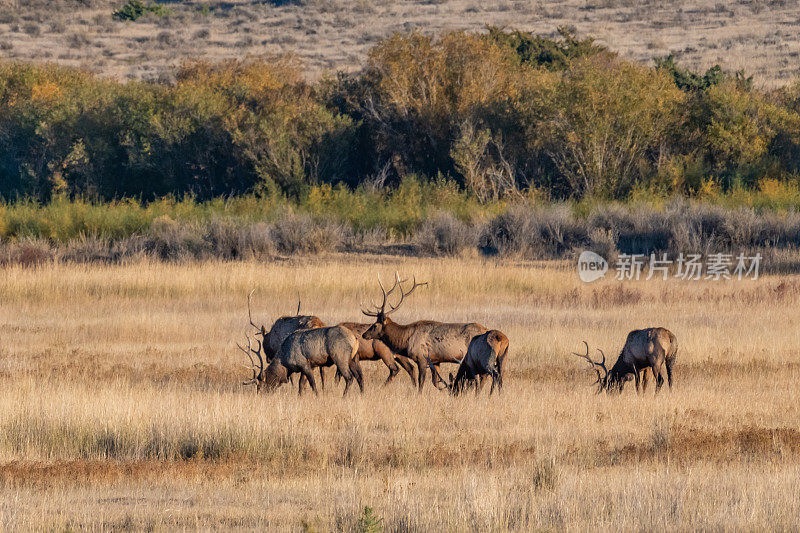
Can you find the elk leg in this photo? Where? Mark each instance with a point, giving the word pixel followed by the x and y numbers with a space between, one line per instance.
pixel 310 377
pixel 421 372
pixel 644 380
pixel 355 370
pixel 658 371
pixel 386 355
pixel 405 363
pixel 435 374
pixel 668 364
pixel 660 378
pixel 346 374
pixel 636 377
pixel 479 384
pixel 499 365
pixel 495 381
pixel 322 377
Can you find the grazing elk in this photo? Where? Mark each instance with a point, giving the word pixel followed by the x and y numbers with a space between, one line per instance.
pixel 653 348
pixel 424 341
pixel 483 356
pixel 304 350
pixel 282 328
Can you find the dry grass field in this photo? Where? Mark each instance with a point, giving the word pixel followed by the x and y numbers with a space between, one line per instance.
pixel 760 36
pixel 120 406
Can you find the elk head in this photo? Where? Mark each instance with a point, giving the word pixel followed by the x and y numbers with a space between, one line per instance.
pixel 380 313
pixel 267 379
pixel 602 380
pixel 619 374
pixel 274 376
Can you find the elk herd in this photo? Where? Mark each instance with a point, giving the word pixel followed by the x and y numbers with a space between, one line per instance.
pixel 301 344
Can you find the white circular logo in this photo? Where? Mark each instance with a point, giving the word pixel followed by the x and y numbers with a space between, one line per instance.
pixel 591 266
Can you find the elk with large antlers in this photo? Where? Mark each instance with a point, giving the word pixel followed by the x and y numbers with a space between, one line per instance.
pixel 483 356
pixel 653 348
pixel 304 350
pixel 424 341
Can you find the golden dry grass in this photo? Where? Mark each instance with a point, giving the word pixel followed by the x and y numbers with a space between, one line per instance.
pixel 119 404
pixel 760 36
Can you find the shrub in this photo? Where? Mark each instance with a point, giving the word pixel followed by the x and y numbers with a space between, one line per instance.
pixel 135 9
pixel 294 234
pixel 26 252
pixel 369 522
pixel 544 52
pixel 537 233
pixel 605 122
pixel 443 234
pixel 89 249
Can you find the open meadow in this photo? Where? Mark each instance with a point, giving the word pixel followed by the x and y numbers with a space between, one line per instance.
pixel 121 408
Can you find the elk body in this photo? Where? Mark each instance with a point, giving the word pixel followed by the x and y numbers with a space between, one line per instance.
pixel 375 350
pixel 425 342
pixel 485 356
pixel 651 348
pixel 304 350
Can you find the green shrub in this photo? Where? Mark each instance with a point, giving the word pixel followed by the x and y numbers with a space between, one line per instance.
pixel 605 124
pixel 541 51
pixel 134 9
pixel 369 522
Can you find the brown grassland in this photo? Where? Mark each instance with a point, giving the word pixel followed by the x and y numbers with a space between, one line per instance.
pixel 760 36
pixel 120 405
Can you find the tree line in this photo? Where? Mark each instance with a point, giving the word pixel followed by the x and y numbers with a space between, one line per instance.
pixel 498 113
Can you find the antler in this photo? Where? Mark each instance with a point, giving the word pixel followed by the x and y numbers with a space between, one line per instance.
pixel 595 365
pixel 380 309
pixel 260 330
pixel 257 370
pixel 403 293
pixel 602 364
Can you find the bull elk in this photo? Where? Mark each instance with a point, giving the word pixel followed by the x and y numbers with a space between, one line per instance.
pixel 424 342
pixel 651 348
pixel 483 355
pixel 282 328
pixel 304 350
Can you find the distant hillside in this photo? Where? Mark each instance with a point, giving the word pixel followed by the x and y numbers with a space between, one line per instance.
pixel 762 37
